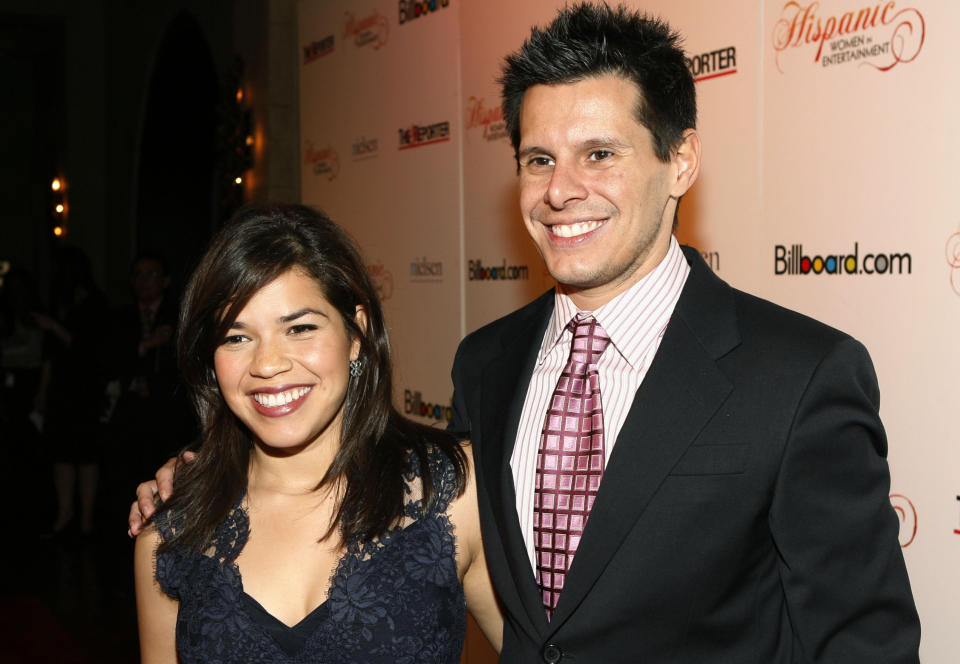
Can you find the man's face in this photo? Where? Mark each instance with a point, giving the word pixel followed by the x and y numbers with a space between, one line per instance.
pixel 596 201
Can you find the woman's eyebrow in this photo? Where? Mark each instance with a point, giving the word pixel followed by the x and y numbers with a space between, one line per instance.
pixel 299 313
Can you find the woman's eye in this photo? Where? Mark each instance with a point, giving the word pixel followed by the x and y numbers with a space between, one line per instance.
pixel 233 340
pixel 302 329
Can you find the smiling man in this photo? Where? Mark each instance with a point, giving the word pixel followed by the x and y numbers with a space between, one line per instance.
pixel 670 470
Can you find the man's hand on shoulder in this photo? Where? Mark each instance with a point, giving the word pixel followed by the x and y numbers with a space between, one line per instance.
pixel 149 492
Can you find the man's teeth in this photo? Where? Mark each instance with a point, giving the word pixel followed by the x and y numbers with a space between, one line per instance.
pixel 281 399
pixel 573 230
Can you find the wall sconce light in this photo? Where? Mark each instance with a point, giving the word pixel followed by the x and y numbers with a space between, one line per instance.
pixel 59 206
pixel 235 141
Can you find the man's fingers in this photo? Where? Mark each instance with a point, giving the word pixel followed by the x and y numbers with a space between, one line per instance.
pixel 134 520
pixel 142 508
pixel 146 502
pixel 145 505
pixel 164 482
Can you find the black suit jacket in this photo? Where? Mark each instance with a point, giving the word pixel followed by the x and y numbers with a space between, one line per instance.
pixel 743 515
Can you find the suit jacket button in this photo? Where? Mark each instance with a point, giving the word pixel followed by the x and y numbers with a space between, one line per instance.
pixel 552 653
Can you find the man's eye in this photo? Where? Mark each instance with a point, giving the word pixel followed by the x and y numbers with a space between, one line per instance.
pixel 600 155
pixel 540 162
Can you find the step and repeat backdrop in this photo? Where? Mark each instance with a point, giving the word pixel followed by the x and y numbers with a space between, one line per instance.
pixel 829 185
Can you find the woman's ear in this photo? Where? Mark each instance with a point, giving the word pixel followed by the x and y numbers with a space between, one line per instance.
pixel 360 318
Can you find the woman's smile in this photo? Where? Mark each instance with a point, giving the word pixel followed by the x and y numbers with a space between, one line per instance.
pixel 279 403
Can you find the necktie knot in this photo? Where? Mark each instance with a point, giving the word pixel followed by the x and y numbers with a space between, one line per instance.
pixel 589 339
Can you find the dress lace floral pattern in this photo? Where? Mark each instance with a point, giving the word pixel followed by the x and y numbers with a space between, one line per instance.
pixel 394 600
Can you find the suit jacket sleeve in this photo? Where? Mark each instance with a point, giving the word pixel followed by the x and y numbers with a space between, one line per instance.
pixel 841 567
pixel 459 424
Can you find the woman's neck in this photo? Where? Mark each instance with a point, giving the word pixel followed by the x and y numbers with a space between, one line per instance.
pixel 290 472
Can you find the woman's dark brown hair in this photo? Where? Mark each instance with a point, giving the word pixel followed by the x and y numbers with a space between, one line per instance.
pixel 258 245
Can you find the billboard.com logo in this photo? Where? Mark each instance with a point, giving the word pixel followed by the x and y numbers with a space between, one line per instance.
pixel 792 260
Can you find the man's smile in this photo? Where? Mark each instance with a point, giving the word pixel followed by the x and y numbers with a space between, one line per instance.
pixel 575 230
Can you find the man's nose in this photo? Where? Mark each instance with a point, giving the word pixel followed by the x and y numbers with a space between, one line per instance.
pixel 566 186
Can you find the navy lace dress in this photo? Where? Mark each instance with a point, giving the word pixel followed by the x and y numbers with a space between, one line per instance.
pixel 396 600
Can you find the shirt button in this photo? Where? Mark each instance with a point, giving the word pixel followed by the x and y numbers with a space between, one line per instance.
pixel 552 653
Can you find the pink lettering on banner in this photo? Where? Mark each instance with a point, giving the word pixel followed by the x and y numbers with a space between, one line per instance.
pixel 370 30
pixel 325 161
pixel 491 119
pixel 382 280
pixel 953 260
pixel 879 35
pixel 907 514
pixel 480 116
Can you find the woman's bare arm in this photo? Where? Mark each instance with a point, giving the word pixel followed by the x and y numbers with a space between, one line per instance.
pixel 156 612
pixel 477 586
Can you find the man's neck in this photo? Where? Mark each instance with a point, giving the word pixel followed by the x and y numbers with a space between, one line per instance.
pixel 591 299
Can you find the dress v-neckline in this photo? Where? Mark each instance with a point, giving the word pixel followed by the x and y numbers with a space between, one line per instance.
pixel 292 639
pixel 253 603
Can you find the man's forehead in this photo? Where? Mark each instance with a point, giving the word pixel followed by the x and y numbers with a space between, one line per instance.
pixel 580 107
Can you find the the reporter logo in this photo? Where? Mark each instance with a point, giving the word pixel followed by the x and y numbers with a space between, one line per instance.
pixel 713 64
pixel 317 49
pixel 416 136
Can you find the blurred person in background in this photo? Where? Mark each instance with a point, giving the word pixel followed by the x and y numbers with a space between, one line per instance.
pixel 21 361
pixel 21 353
pixel 149 414
pixel 72 382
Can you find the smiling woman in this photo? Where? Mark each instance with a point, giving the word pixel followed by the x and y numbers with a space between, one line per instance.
pixel 283 368
pixel 315 522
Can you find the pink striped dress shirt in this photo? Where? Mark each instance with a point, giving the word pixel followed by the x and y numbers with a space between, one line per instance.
pixel 635 321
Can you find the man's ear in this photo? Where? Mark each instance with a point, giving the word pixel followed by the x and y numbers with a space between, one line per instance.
pixel 360 318
pixel 686 161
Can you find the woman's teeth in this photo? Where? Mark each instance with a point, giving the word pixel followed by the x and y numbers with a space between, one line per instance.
pixel 271 400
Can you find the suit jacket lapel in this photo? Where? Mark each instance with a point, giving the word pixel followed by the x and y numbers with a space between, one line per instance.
pixel 682 390
pixel 504 387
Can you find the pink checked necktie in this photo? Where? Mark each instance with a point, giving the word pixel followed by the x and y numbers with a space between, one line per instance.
pixel 570 460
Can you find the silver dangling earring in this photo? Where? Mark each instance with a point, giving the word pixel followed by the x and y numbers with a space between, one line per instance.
pixel 356 368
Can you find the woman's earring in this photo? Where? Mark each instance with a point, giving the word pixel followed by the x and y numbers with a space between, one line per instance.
pixel 356 368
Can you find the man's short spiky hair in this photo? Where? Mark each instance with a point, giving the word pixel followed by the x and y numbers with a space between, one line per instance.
pixel 587 40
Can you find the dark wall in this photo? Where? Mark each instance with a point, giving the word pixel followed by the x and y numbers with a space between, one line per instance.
pixel 107 52
pixel 176 197
pixel 32 131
